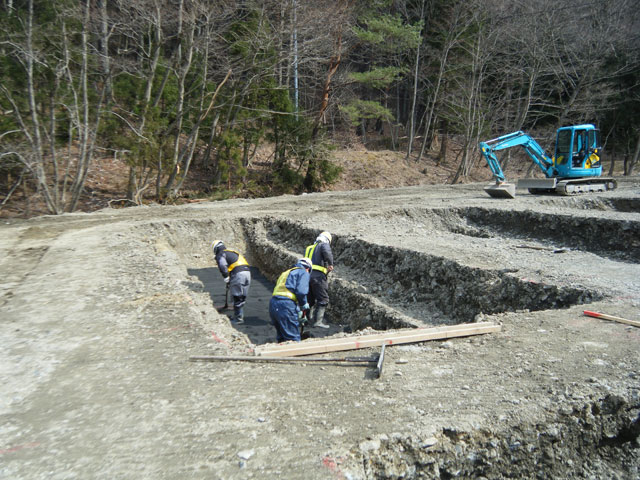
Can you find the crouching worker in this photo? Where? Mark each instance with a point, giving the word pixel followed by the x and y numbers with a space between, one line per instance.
pixel 288 303
pixel 237 275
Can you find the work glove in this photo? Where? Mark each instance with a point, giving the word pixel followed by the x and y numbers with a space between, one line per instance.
pixel 305 307
pixel 226 279
pixel 302 319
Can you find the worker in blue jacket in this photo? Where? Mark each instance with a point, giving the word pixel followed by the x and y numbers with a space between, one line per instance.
pixel 288 305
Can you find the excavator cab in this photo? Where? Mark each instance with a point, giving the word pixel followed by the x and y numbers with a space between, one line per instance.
pixel 577 149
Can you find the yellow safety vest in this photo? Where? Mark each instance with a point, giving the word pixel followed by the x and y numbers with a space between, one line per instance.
pixel 309 253
pixel 280 290
pixel 592 160
pixel 240 261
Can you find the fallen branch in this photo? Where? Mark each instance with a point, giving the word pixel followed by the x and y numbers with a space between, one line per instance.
pixel 535 247
pixel 123 202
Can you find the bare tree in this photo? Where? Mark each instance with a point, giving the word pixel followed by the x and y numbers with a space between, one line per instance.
pixel 416 72
pixel 453 27
pixel 59 97
pixel 464 105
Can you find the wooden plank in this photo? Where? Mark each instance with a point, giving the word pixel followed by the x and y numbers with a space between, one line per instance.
pixel 410 335
pixel 387 335
pixel 612 318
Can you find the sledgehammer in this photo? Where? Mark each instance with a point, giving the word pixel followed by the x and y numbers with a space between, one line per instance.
pixel 376 359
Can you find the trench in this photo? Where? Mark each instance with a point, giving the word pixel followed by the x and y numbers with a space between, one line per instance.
pixel 622 204
pixel 385 287
pixel 614 239
pixel 596 439
pixel 257 325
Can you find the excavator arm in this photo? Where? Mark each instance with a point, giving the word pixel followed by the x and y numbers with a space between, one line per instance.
pixel 533 149
pixel 530 146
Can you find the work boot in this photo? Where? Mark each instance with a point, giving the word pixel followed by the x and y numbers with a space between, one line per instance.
pixel 319 317
pixel 238 315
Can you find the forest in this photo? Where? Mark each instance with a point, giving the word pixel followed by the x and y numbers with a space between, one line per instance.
pixel 173 85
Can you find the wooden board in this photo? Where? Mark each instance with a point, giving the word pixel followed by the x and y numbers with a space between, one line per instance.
pixel 409 335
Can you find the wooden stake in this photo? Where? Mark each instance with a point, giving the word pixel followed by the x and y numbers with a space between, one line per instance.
pixel 604 316
pixel 410 335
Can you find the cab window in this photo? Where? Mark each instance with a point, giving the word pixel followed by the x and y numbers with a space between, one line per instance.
pixel 579 143
pixel 563 145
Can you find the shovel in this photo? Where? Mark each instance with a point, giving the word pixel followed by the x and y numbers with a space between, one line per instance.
pixel 304 335
pixel 226 300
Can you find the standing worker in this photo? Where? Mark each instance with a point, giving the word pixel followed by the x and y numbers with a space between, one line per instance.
pixel 322 258
pixel 237 275
pixel 288 304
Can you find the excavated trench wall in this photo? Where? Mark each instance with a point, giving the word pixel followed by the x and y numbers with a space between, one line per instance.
pixel 585 440
pixel 581 202
pixel 621 241
pixel 386 287
pixel 401 279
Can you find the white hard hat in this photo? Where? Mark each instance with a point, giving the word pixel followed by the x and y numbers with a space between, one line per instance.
pixel 325 235
pixel 306 263
pixel 216 245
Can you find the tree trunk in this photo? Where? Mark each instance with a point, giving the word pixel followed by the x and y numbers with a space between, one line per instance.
pixel 412 117
pixel 183 71
pixel 89 127
pixel 612 164
pixel 434 100
pixel 636 156
pixel 324 103
pixel 442 155
pixel 35 137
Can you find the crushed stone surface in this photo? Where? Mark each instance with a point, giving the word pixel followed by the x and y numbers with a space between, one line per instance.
pixel 99 315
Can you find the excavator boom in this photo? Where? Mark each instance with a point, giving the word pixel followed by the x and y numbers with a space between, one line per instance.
pixel 502 189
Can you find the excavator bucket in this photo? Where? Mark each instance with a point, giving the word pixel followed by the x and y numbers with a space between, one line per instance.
pixel 501 190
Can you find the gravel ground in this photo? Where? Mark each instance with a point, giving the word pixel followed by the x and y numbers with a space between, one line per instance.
pixel 100 313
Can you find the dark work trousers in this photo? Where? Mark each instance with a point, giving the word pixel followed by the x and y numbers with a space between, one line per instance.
pixel 284 315
pixel 318 289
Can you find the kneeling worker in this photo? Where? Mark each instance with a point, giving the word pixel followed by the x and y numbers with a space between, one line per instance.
pixel 322 258
pixel 288 303
pixel 237 275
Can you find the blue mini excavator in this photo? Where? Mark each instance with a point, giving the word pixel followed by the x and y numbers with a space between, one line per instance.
pixel 575 167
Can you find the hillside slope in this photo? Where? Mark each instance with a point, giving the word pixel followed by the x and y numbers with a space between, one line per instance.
pixel 361 169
